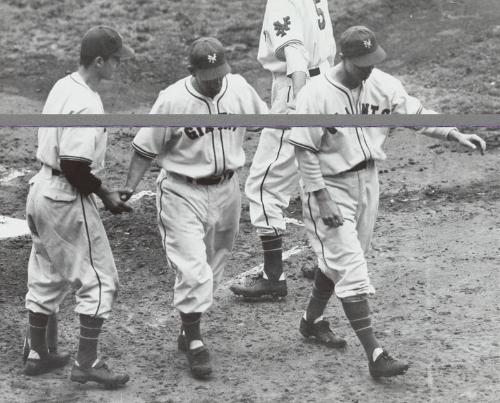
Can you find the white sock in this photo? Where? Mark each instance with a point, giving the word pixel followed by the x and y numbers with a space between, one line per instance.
pixel 195 344
pixel 282 276
pixel 376 353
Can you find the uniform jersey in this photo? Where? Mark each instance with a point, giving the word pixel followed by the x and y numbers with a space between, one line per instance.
pixel 200 151
pixel 71 95
pixel 304 24
pixel 343 148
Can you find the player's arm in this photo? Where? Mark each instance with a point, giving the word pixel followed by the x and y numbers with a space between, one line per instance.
pixel 310 171
pixel 404 103
pixel 296 62
pixel 139 164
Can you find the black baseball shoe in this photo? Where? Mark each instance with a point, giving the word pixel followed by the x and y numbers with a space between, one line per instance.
pixel 37 365
pixel 198 358
pixel 98 372
pixel 385 366
pixel 260 287
pixel 322 333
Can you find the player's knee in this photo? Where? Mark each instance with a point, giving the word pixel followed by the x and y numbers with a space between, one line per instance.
pixel 322 282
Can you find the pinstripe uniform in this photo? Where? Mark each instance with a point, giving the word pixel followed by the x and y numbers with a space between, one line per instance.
pixel 198 223
pixel 352 186
pixel 70 246
pixel 305 27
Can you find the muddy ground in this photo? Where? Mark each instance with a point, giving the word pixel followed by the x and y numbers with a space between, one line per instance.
pixel 434 260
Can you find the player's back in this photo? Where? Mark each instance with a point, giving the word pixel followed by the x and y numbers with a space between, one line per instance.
pixel 289 22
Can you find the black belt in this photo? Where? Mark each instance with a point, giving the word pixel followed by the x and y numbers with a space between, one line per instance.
pixel 55 172
pixel 206 181
pixel 314 72
pixel 362 165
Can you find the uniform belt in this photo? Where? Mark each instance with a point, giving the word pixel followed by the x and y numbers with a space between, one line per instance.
pixel 55 172
pixel 362 165
pixel 314 72
pixel 206 181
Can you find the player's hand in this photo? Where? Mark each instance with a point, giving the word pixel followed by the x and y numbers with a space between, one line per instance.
pixel 472 141
pixel 112 201
pixel 329 210
pixel 125 194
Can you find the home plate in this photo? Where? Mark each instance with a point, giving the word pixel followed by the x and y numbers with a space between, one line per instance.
pixel 12 227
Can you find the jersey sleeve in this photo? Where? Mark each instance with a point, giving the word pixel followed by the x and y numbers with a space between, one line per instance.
pixel 149 141
pixel 405 104
pixel 309 138
pixel 283 26
pixel 79 143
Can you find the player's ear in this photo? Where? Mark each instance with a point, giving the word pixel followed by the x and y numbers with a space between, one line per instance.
pixel 99 61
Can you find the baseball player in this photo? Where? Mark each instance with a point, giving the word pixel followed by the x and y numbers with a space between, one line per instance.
pixel 70 246
pixel 198 197
pixel 340 185
pixel 296 42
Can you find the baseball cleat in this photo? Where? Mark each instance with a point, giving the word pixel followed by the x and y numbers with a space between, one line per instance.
pixel 98 372
pixel 36 365
pixel 261 287
pixel 322 333
pixel 198 358
pixel 385 366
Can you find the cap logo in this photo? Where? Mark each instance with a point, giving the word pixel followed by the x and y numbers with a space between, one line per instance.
pixel 367 43
pixel 212 58
pixel 282 28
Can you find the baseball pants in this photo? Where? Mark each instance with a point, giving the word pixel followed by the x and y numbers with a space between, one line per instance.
pixel 273 175
pixel 70 249
pixel 198 225
pixel 341 251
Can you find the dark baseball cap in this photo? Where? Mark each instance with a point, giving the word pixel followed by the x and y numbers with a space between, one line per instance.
pixel 359 45
pixel 105 42
pixel 208 59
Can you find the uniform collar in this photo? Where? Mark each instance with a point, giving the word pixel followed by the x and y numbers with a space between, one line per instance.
pixel 221 93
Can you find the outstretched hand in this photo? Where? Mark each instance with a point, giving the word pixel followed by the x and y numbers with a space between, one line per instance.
pixel 471 141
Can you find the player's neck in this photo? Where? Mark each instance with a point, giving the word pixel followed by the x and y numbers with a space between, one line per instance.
pixel 340 75
pixel 90 76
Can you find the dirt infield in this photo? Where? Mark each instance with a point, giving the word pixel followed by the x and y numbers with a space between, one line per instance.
pixel 435 255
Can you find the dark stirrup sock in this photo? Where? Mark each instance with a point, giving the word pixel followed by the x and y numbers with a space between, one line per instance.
pixel 272 247
pixel 191 326
pixel 357 311
pixel 321 294
pixel 38 332
pixel 90 328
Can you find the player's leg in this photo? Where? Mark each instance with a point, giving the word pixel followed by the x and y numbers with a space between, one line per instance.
pixel 312 323
pixel 357 196
pixel 225 212
pixel 183 210
pixel 46 284
pixel 272 179
pixel 94 273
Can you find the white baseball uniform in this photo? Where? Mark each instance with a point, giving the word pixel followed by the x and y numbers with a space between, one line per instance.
pixel 333 162
pixel 70 246
pixel 296 35
pixel 198 223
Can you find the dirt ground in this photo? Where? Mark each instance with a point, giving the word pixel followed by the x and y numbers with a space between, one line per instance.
pixel 435 255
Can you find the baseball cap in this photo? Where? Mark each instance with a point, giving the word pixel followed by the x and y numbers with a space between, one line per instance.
pixel 208 59
pixel 104 41
pixel 359 45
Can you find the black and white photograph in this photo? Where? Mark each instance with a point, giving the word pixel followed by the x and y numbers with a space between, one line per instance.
pixel 250 247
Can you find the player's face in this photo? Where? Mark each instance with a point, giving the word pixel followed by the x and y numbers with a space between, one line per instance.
pixel 209 88
pixel 109 67
pixel 358 73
